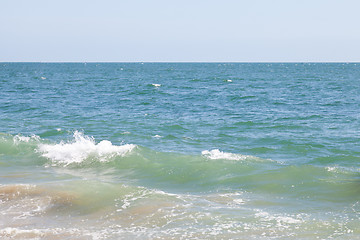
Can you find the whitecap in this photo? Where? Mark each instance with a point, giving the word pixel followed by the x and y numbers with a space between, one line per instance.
pixel 331 169
pixel 217 154
pixel 81 148
pixel 156 85
pixel 19 138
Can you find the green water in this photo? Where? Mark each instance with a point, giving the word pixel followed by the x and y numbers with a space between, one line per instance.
pixel 179 151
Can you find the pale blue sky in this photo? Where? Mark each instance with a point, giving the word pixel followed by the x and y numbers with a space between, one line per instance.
pixel 159 30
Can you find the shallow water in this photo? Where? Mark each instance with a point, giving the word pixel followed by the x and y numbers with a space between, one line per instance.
pixel 179 151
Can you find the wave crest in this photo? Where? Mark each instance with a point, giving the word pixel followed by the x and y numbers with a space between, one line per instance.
pixel 217 154
pixel 19 138
pixel 81 148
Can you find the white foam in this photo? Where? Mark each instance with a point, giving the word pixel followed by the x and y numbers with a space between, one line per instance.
pixel 81 148
pixel 45 233
pixel 217 154
pixel 331 169
pixel 18 139
pixel 265 216
pixel 13 232
pixel 156 85
pixel 131 198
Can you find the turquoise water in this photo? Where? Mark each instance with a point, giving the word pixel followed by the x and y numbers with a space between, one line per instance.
pixel 180 150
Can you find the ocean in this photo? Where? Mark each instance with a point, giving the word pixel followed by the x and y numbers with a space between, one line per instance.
pixel 180 151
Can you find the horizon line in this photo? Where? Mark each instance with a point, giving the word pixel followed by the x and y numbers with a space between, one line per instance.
pixel 179 62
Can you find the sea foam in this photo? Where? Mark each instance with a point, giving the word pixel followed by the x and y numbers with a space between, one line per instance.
pixel 81 148
pixel 217 154
pixel 19 138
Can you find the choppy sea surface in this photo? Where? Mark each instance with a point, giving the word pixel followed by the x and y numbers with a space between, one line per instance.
pixel 179 151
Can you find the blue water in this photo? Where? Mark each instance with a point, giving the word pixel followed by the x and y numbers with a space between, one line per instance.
pixel 180 150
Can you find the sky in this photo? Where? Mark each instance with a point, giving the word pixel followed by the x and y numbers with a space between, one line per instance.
pixel 179 31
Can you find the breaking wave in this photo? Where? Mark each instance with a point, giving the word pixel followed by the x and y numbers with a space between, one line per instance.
pixel 81 148
pixel 217 154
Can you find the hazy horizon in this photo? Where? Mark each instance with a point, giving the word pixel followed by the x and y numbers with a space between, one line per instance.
pixel 186 31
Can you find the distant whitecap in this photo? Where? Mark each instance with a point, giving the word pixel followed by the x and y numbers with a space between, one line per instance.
pixel 217 154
